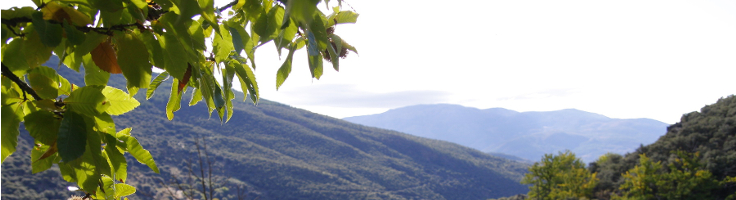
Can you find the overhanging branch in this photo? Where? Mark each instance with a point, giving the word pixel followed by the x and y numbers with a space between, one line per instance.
pixel 231 4
pixel 12 22
pixel 23 86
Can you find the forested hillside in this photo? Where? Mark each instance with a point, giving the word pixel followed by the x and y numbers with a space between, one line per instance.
pixel 273 151
pixel 711 133
pixel 695 159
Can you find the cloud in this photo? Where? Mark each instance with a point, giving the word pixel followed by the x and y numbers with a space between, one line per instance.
pixel 350 96
pixel 541 94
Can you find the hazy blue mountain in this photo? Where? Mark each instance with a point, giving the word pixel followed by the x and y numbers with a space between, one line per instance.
pixel 279 152
pixel 528 135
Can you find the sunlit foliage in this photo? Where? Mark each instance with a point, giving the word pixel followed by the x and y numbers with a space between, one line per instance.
pixel 192 41
pixel 559 176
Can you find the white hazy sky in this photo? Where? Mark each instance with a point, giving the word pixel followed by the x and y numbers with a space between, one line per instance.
pixel 652 59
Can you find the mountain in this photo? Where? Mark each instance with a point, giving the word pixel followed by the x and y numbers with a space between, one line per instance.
pixel 279 152
pixel 528 135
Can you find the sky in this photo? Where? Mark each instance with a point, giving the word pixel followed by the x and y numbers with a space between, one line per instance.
pixel 622 59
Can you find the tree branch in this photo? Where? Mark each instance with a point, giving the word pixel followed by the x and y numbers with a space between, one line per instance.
pixel 12 22
pixel 231 4
pixel 23 86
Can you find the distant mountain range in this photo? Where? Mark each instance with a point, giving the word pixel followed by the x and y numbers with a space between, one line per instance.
pixel 280 152
pixel 528 135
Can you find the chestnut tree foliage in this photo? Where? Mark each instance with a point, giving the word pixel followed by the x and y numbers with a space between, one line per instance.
pixel 192 41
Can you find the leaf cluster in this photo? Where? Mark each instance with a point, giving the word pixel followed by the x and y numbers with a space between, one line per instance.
pixel 560 176
pixel 72 124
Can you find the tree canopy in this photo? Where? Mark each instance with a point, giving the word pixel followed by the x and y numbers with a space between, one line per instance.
pixel 191 41
pixel 559 176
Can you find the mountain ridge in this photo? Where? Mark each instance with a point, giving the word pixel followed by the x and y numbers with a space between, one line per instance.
pixel 522 134
pixel 276 151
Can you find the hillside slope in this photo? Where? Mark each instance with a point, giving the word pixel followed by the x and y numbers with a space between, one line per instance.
pixel 279 152
pixel 711 133
pixel 528 135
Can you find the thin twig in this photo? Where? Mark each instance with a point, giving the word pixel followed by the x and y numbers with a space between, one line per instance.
pixel 201 169
pixel 209 166
pixel 231 4
pixel 23 86
pixel 167 187
pixel 12 22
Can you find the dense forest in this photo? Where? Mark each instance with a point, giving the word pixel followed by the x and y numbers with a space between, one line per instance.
pixel 695 159
pixel 274 151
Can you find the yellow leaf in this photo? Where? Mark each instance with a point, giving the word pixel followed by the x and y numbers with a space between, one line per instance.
pixel 59 13
pixel 105 58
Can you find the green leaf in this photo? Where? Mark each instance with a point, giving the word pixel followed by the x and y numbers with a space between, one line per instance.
pixel 116 160
pixel 222 45
pixel 104 123
pixel 13 57
pixel 227 86
pixel 75 58
pixel 86 171
pixel 155 83
pixel 337 41
pixel 10 92
pixel 122 189
pixel 44 81
pixel 73 35
pixel 174 100
pixel 93 153
pixel 268 25
pixel 320 32
pixel 247 81
pixel 43 126
pixel 140 4
pixel 312 46
pixel 207 84
pixel 175 56
pixel 110 17
pixel 133 61
pixel 188 8
pixel 315 66
pixel 219 101
pixel 93 40
pixel 154 49
pixel 120 102
pixel 238 43
pixel 196 32
pixel 61 51
pixel 285 36
pixel 72 136
pixel 65 88
pixel 93 75
pixel 105 189
pixel 38 164
pixel 343 17
pixel 302 11
pixel 35 51
pixel 87 100
pixel 16 12
pixel 334 57
pixel 11 118
pixel 208 12
pixel 196 97
pixel 67 173
pixel 349 47
pixel 136 150
pixel 285 68
pixel 107 5
pixel 50 33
